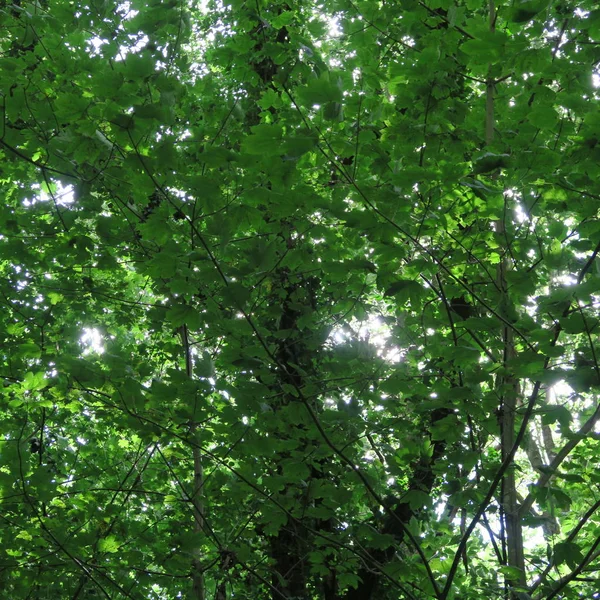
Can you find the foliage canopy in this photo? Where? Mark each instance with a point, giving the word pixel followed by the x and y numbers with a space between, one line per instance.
pixel 300 300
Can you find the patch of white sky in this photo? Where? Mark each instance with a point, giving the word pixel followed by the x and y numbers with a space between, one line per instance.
pixel 63 196
pixel 126 12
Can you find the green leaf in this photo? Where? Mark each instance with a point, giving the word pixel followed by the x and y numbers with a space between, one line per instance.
pixel 525 10
pixel 544 117
pixel 326 89
pixel 417 499
pixel 149 111
pixel 561 499
pixel 333 111
pixel 297 145
pixel 184 314
pixel 108 544
pixel 138 66
pixel 489 162
pixel 29 350
pixel 402 287
pixel 511 573
pixel 283 19
pixel 34 381
pixel 552 414
pixel 274 521
pixel 567 552
pixel 204 365
pixel 266 140
pixel 485 49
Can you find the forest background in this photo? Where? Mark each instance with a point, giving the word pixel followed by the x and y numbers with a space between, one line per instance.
pixel 299 300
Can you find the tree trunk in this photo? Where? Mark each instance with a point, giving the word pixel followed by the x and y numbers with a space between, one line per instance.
pixel 198 592
pixel 507 385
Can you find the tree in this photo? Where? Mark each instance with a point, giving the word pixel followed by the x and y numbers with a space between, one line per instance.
pixel 300 300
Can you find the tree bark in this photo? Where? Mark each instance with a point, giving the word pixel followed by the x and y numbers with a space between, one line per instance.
pixel 198 592
pixel 507 385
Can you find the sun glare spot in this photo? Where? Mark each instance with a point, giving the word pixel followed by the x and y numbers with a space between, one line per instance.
pixel 91 340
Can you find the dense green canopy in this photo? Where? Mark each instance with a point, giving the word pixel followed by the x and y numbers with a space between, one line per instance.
pixel 300 300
